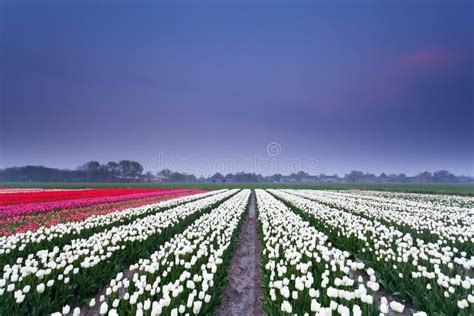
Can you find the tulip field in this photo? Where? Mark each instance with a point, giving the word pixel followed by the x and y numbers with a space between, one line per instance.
pixel 47 208
pixel 170 251
pixel 367 253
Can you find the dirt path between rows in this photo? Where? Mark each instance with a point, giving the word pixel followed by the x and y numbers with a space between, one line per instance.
pixel 243 294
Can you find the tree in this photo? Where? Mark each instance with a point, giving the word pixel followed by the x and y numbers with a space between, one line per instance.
pixel 177 176
pixel 299 175
pixel 383 177
pixel 90 166
pixel 92 170
pixel 165 173
pixel 354 176
pixel 217 177
pixel 276 178
pixel 113 168
pixel 130 168
pixel 425 177
pixel 302 174
pixel 443 176
pixel 402 178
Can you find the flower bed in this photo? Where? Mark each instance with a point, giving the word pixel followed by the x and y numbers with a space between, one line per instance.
pixel 41 207
pixel 59 235
pixel 429 274
pixel 185 275
pixel 304 273
pixel 33 221
pixel 49 279
pixel 16 198
pixel 451 225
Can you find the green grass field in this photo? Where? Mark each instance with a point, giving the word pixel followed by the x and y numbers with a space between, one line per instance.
pixel 460 189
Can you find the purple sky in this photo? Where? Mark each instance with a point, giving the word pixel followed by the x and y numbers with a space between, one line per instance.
pixel 374 86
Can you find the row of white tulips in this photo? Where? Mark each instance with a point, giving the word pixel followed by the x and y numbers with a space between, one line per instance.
pixel 440 204
pixel 306 274
pixel 21 240
pixel 433 199
pixel 179 278
pixel 45 274
pixel 453 227
pixel 432 275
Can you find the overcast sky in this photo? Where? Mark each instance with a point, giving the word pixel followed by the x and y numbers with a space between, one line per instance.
pixel 374 86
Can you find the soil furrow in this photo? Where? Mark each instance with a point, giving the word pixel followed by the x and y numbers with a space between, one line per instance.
pixel 243 294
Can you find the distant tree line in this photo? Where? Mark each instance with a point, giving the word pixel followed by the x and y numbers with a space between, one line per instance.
pixel 441 176
pixel 93 171
pixel 132 171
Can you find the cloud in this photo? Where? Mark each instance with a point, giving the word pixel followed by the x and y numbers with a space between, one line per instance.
pixel 402 80
pixel 430 59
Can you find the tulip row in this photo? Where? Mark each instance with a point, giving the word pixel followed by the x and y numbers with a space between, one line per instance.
pixel 22 209
pixel 33 221
pixel 304 273
pixel 15 198
pixel 452 226
pixel 434 277
pixel 440 204
pixel 185 275
pixel 18 245
pixel 48 279
pixel 436 200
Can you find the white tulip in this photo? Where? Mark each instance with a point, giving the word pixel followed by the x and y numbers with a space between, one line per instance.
pixel 315 306
pixel 197 307
pixel 40 288
pixel 286 307
pixel 66 309
pixel 396 306
pixel 103 308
